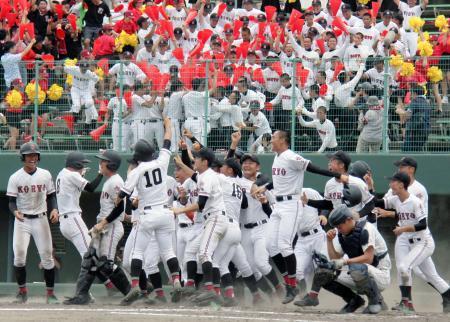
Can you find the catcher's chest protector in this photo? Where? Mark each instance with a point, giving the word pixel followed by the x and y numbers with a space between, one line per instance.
pixel 352 243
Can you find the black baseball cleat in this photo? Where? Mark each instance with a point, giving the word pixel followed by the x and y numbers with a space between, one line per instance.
pixel 229 302
pixel 291 293
pixel 21 298
pixel 354 304
pixel 78 300
pixel 176 292
pixel 307 300
pixel 131 297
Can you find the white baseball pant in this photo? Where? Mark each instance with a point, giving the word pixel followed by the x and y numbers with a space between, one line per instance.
pixel 39 228
pixel 107 244
pixel 254 244
pixel 122 137
pixel 304 250
pixel 227 247
pixel 417 254
pixel 283 225
pixel 73 228
pixel 80 98
pixel 216 226
pixel 411 40
pixel 149 130
pixel 183 236
pixel 240 261
pixel 131 240
pixel 193 246
pixel 176 134
pixel 381 276
pixel 197 128
pixel 158 221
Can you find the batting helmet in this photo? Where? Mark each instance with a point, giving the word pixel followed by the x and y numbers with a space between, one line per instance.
pixel 143 151
pixel 112 157
pixel 76 160
pixel 351 196
pixel 339 215
pixel 359 169
pixel 29 148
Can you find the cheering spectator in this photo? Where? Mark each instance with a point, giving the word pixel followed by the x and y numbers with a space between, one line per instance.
pixel 11 59
pixel 96 11
pixel 41 18
pixel 256 123
pixel 370 124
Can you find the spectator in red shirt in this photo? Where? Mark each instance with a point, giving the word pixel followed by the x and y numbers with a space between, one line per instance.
pixel 127 24
pixel 104 46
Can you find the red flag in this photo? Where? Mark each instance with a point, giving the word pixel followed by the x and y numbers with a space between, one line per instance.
pixel 204 35
pixel 60 34
pixel 321 44
pixel 407 99
pixel 222 79
pixel 103 108
pixel 258 76
pixel 162 82
pixel 221 9
pixel 375 9
pixel 179 55
pixel 334 6
pixel 338 68
pixel 24 4
pixel 276 66
pixel 338 23
pixel 384 33
pixel 98 132
pixel 200 71
pixel 168 27
pixel 298 25
pixel 73 21
pixel 104 65
pixel 59 11
pixel 163 13
pixel 26 27
pixel 237 28
pixel 261 28
pixel 69 119
pixel 268 106
pixel 119 8
pixel 128 97
pixel 295 15
pixel 6 8
pixel 323 90
pixel 186 75
pixel 192 14
pixel 149 70
pixel 302 75
pixel 270 12
pixel 197 50
pixel 243 49
pixel 152 12
pixel 11 17
pixel 49 59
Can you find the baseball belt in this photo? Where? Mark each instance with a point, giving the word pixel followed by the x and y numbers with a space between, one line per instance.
pixel 309 232
pixel 255 224
pixel 34 216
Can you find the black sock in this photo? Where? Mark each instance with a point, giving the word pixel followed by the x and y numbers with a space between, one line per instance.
pixel 173 266
pixel 216 276
pixel 280 263
pixel 273 278
pixel 340 290
pixel 143 281
pixel 136 268
pixel 405 292
pixel 156 280
pixel 233 270
pixel 264 286
pixel 198 279
pixel 226 280
pixel 207 272
pixel 446 294
pixel 21 275
pixel 191 270
pixel 49 277
pixel 291 265
pixel 250 282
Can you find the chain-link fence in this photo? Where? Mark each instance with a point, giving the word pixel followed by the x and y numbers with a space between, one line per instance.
pixel 372 105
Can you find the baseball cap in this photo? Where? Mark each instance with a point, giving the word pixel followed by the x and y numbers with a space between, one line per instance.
pixel 127 54
pixel 361 7
pixel 84 64
pixel 214 16
pixel 346 7
pixel 148 42
pixel 400 177
pixel 373 101
pixel 247 1
pixel 341 156
pixel 233 164
pixel 250 157
pixel 205 154
pixel 244 19
pixel 261 17
pixel 141 20
pixel 230 3
pixel 255 105
pixel 308 13
pixel 365 86
pixel 128 13
pixel 388 13
pixel 193 23
pixel 316 3
pixel 216 163
pixel 163 42
pixel 265 46
pixel 406 161
pixel 178 31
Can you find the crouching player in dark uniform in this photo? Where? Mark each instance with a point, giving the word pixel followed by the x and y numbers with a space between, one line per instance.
pixel 359 261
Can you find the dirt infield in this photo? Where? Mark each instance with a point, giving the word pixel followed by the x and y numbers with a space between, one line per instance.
pixel 427 303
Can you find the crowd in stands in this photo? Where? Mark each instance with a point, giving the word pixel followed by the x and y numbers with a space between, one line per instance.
pixel 323 69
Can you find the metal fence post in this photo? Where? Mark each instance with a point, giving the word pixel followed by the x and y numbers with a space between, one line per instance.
pixel 386 102
pixel 36 101
pixel 294 104
pixel 206 118
pixel 120 105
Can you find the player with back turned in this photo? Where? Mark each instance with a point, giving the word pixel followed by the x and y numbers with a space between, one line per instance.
pixel 288 170
pixel 31 195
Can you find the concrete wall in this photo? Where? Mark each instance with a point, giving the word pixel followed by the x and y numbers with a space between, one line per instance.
pixel 433 173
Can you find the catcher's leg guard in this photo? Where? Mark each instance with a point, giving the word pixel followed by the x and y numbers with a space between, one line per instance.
pixel 120 280
pixel 322 276
pixel 365 284
pixel 340 290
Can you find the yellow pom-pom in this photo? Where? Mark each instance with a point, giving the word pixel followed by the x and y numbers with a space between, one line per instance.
pixel 142 9
pixel 434 74
pixel 41 97
pixel 30 90
pixel 70 62
pixel 364 2
pixel 55 92
pixel 14 99
pixel 426 36
pixel 407 69
pixel 441 22
pixel 425 48
pixel 396 61
pixel 127 39
pixel 416 23
pixel 119 44
pixel 100 73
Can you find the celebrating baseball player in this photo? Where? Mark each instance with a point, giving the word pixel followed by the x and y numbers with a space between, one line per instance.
pixel 31 194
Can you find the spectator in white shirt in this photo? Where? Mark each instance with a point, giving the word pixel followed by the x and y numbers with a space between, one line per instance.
pixel 387 23
pixel 262 144
pixel 325 128
pixel 10 61
pixel 146 52
pixel 354 53
pixel 370 124
pixel 257 123
pixel 145 31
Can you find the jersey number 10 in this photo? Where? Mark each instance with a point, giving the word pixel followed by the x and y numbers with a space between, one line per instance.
pixel 156 176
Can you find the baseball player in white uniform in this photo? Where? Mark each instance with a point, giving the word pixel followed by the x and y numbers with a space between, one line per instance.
pixel 121 130
pixel 409 10
pixel 149 178
pixel 80 92
pixel 99 259
pixel 127 72
pixel 414 244
pixel 31 193
pixel 288 170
